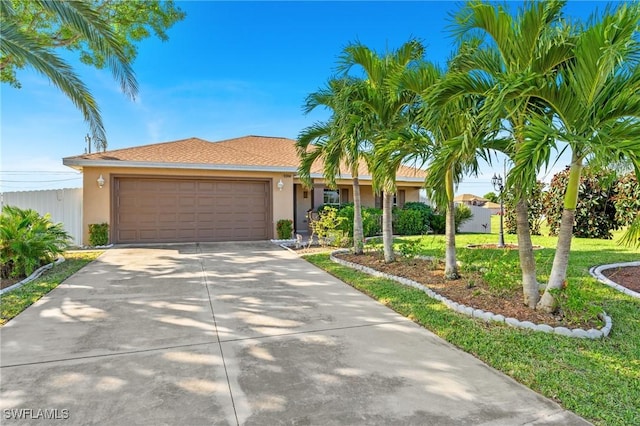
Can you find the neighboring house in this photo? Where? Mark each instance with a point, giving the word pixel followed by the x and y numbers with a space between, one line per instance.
pixel 493 207
pixel 470 200
pixel 196 190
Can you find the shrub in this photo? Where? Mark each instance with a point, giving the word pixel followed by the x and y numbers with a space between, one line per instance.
pixel 438 223
pixel 627 199
pixel 99 234
pixel 370 219
pixel 327 228
pixel 595 215
pixel 284 228
pixel 27 241
pixel 409 222
pixel 425 211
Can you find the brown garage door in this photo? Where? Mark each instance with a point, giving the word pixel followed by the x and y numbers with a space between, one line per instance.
pixel 149 210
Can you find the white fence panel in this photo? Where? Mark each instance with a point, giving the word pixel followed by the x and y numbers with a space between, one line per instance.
pixel 64 206
pixel 480 222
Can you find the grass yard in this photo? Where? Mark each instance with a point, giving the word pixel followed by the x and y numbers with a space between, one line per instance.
pixel 599 380
pixel 16 301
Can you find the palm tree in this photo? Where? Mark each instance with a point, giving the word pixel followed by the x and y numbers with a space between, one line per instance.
pixel 521 53
pixel 337 141
pixel 460 140
pixel 596 102
pixel 384 103
pixel 24 48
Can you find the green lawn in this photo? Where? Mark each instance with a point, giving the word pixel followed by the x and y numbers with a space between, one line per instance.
pixel 16 301
pixel 599 380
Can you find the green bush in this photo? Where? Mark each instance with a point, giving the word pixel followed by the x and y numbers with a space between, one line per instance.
pixel 409 222
pixel 438 223
pixel 595 215
pixel 627 199
pixel 370 219
pixel 99 234
pixel 327 228
pixel 28 241
pixel 284 228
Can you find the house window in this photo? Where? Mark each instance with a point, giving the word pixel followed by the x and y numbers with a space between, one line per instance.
pixel 331 197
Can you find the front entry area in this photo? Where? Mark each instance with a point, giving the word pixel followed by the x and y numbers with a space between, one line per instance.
pixel 152 210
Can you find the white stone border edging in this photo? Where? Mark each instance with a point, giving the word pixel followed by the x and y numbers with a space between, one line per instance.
pixel 33 276
pixel 596 272
pixel 479 313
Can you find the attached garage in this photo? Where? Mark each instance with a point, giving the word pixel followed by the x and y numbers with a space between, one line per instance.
pixel 154 209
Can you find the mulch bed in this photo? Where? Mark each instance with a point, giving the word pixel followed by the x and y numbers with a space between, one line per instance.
pixel 628 276
pixel 470 290
pixel 8 282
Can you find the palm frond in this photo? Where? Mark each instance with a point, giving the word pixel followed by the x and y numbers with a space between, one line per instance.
pixel 15 42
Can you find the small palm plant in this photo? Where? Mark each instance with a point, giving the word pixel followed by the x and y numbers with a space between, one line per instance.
pixel 27 241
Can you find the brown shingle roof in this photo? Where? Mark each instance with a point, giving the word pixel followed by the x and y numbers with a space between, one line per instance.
pixel 253 151
pixel 470 197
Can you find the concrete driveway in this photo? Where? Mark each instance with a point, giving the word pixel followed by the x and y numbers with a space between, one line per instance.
pixel 239 333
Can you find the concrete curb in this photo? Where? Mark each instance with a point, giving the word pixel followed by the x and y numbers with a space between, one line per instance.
pixel 596 272
pixel 33 276
pixel 481 314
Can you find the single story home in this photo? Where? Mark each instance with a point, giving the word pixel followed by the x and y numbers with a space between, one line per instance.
pixel 196 190
pixel 470 200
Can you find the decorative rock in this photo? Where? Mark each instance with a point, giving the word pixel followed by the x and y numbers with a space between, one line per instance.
pixel 578 332
pixel 606 330
pixel 563 331
pixel 546 328
pixel 477 312
pixel 467 310
pixel 497 318
pixel 528 325
pixel 486 316
pixel 512 322
pixel 594 334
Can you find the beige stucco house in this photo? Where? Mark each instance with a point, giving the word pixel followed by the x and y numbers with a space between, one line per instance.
pixel 196 190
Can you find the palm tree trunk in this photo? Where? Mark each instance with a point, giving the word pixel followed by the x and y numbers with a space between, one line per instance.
pixel 387 226
pixel 358 231
pixel 530 286
pixel 450 263
pixel 558 274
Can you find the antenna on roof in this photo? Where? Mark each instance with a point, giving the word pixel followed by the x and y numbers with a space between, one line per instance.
pixel 87 139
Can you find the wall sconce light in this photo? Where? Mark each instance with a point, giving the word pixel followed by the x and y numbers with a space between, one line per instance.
pixel 280 185
pixel 100 181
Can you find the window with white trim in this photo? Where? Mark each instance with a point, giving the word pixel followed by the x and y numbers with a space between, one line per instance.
pixel 331 197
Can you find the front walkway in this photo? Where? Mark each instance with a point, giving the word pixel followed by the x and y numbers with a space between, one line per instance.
pixel 237 333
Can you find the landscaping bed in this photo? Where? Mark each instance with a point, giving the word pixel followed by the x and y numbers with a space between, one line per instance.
pixel 628 276
pixel 470 290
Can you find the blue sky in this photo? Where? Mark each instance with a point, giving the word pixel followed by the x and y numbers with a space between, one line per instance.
pixel 229 69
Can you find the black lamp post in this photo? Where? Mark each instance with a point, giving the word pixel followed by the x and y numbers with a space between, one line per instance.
pixel 498 185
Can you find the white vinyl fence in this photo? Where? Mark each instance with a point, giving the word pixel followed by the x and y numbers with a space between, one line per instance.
pixel 64 206
pixel 480 222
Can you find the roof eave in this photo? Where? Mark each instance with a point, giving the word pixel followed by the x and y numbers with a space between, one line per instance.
pixel 368 177
pixel 81 163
